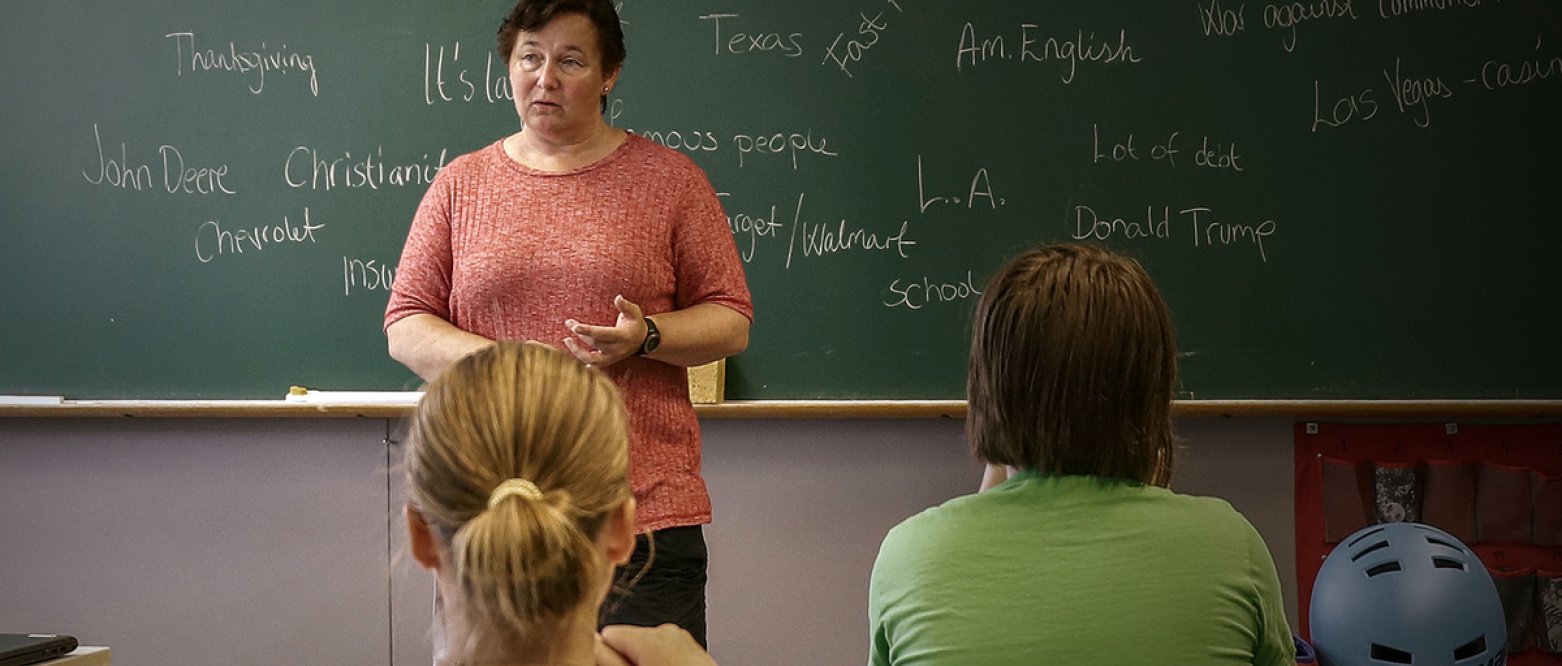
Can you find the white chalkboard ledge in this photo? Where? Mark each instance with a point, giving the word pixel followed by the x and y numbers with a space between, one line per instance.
pixel 1423 410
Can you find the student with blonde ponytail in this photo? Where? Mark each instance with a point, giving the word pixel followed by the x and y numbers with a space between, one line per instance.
pixel 518 471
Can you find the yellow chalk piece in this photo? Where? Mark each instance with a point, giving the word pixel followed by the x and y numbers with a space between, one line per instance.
pixel 708 383
pixel 297 390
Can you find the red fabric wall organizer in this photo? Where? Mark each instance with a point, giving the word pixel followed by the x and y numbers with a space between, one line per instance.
pixel 1496 487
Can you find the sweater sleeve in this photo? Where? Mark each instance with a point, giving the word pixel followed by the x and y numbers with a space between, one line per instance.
pixel 422 284
pixel 705 254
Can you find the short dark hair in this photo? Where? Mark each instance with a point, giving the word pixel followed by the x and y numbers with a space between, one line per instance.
pixel 1073 367
pixel 530 15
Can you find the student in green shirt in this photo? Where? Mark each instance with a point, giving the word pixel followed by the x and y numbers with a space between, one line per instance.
pixel 1077 553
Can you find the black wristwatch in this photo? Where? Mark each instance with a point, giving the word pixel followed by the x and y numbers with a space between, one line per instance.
pixel 653 338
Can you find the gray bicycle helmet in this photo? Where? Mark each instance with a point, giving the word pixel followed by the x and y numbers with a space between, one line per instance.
pixel 1406 593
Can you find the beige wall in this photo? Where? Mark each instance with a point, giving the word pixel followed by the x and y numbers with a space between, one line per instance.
pixel 264 541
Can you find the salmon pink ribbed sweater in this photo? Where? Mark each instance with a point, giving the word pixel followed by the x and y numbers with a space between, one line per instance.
pixel 508 253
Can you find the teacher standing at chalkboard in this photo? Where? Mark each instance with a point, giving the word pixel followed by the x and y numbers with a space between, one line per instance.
pixel 574 233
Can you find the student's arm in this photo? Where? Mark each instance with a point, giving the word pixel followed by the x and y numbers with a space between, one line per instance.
pixel 427 344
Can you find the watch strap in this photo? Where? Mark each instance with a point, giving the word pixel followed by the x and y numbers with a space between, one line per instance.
pixel 653 338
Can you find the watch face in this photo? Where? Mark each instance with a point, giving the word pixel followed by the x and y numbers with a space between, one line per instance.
pixel 653 337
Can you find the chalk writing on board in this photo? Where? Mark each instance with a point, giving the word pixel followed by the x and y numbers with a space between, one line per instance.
pixel 179 176
pixel 460 83
pixel 1218 21
pixel 748 228
pixel 213 240
pixel 781 143
pixel 306 167
pixel 1333 110
pixel 831 238
pixel 1287 16
pixel 1495 74
pixel 856 46
pixel 917 294
pixel 790 146
pixel 685 140
pixel 1414 94
pixel 1210 153
pixel 735 42
pixel 1088 224
pixel 1116 150
pixel 254 64
pixel 1083 47
pixel 118 173
pixel 1208 229
pixel 370 275
pixel 1395 8
pixel 975 52
pixel 978 194
pixel 1166 150
pixel 1218 155
pixel 1410 94
pixel 809 239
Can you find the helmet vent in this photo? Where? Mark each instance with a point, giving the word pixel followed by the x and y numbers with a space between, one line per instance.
pixel 1363 537
pixel 1470 649
pixel 1387 655
pixel 1439 542
pixel 1377 546
pixel 1386 567
pixel 1447 563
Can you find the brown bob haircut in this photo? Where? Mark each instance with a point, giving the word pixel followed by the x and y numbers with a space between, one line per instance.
pixel 1073 367
pixel 530 15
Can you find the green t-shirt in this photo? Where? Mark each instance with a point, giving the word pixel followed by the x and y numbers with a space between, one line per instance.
pixel 1076 570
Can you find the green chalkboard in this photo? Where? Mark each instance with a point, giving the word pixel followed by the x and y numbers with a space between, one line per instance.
pixel 1340 199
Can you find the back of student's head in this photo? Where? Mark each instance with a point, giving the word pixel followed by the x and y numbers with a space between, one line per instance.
pixel 550 435
pixel 1073 367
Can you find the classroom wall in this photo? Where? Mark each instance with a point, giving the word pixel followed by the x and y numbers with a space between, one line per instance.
pixel 186 542
pixel 197 541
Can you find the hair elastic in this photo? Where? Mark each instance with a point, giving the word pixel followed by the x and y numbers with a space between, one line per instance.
pixel 520 487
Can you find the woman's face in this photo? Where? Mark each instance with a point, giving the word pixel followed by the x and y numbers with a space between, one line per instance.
pixel 557 74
